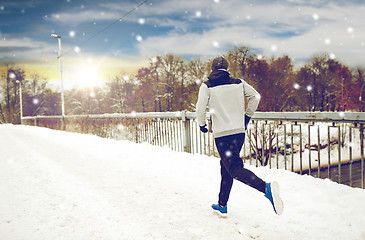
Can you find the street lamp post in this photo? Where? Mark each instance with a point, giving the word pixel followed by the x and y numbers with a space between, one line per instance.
pixel 61 72
pixel 20 101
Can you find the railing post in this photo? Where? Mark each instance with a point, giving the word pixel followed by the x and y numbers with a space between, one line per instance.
pixel 63 123
pixel 187 135
pixel 362 153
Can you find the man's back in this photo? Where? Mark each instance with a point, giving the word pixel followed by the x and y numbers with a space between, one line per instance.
pixel 225 98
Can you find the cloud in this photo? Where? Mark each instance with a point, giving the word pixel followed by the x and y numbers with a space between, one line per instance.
pixel 99 12
pixel 274 28
pixel 21 4
pixel 24 48
pixel 76 18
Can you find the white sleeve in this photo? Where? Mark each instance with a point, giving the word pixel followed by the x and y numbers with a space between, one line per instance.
pixel 254 98
pixel 202 103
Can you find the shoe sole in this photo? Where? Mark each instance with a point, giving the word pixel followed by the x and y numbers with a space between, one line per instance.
pixel 223 215
pixel 278 202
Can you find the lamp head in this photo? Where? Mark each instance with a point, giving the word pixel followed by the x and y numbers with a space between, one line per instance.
pixel 55 36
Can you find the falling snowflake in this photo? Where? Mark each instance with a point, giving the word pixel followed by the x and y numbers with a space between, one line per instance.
pixel 228 153
pixel 309 88
pixel 198 14
pixel 332 56
pixel 154 59
pixel 126 78
pixel 248 17
pixel 350 29
pixel 141 21
pixel 327 41
pixel 12 75
pixel 2 8
pixel 216 1
pixel 77 49
pixel 92 95
pixel 259 57
pixel 215 44
pixel 296 86
pixel 274 48
pixel 35 101
pixel 10 161
pixel 71 33
pixel 139 38
pixel 315 16
pixel 22 11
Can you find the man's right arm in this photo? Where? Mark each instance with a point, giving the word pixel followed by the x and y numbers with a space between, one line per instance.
pixel 254 99
pixel 201 104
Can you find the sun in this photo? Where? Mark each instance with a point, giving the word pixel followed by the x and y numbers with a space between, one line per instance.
pixel 87 77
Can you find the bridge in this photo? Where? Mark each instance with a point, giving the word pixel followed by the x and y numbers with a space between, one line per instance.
pixel 321 144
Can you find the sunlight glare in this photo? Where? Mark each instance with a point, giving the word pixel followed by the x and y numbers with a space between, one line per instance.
pixel 88 77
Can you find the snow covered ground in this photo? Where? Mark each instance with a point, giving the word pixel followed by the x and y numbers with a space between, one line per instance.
pixel 60 185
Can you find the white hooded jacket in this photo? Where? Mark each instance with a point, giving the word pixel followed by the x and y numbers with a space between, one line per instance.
pixel 225 98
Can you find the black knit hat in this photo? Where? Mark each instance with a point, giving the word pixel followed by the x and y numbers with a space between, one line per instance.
pixel 219 63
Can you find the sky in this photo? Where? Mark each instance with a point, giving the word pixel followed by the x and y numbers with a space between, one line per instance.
pixel 100 40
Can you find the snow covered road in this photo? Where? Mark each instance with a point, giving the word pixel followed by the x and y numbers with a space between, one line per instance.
pixel 59 185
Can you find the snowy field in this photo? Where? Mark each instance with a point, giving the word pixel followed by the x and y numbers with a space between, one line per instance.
pixel 59 185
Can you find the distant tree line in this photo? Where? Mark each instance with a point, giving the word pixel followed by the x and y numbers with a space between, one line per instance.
pixel 38 99
pixel 171 84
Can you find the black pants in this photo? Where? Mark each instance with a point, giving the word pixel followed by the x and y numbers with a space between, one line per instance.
pixel 229 148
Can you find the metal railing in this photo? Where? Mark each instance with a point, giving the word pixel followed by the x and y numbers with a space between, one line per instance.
pixel 322 144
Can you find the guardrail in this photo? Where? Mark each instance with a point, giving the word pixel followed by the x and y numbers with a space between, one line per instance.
pixel 322 144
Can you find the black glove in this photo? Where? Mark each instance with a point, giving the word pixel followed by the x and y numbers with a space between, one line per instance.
pixel 204 128
pixel 247 120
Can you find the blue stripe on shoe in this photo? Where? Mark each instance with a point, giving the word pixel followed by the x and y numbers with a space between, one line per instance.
pixel 222 211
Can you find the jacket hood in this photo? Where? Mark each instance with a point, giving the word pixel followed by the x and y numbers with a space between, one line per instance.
pixel 219 76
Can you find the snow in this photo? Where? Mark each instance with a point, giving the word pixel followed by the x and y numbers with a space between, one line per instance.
pixel 60 185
